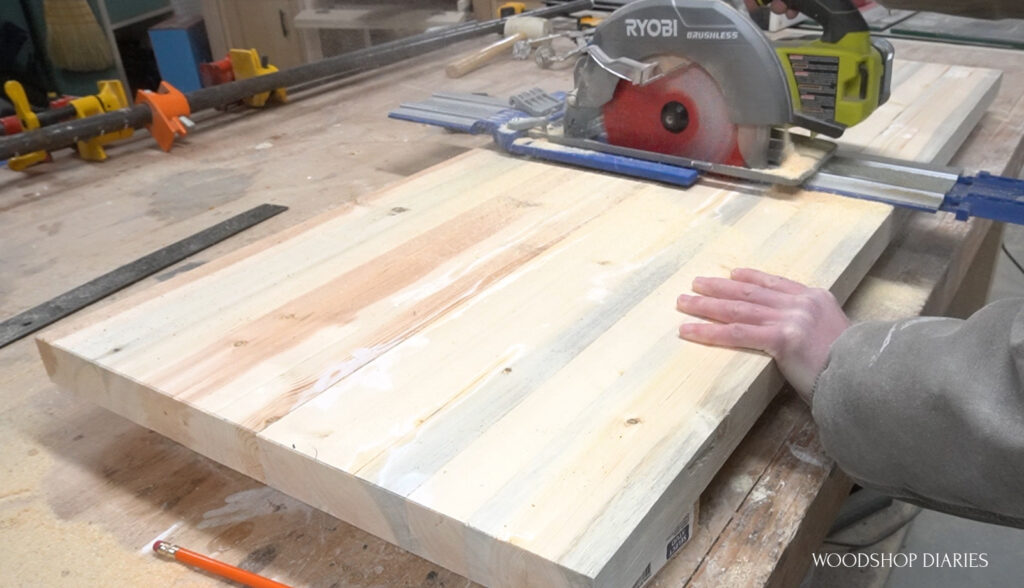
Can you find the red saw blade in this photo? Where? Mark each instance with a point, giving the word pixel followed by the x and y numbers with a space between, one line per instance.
pixel 683 113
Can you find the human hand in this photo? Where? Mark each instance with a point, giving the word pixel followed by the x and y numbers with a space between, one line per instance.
pixel 791 322
pixel 777 6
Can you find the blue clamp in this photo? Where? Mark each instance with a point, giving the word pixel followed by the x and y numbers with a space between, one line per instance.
pixel 517 141
pixel 986 196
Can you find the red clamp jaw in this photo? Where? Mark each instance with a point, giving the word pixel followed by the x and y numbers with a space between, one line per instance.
pixel 11 125
pixel 217 72
pixel 168 107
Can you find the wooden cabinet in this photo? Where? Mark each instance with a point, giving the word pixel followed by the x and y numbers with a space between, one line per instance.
pixel 264 25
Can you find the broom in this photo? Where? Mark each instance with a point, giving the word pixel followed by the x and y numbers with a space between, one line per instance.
pixel 74 39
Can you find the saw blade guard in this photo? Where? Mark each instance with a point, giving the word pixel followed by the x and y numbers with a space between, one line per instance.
pixel 709 33
pixel 683 113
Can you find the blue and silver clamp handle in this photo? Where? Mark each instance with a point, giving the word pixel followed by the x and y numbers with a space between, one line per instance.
pixel 896 182
pixel 922 187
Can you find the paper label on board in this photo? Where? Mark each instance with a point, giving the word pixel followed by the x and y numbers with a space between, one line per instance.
pixel 679 538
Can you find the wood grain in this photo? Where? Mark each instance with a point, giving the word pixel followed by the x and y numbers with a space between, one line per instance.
pixel 479 363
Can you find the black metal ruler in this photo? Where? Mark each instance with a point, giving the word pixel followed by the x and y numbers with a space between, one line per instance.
pixel 94 290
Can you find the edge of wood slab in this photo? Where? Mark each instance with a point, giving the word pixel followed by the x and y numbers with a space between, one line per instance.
pixel 393 520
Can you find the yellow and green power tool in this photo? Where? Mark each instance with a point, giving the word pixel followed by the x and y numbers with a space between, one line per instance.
pixel 698 79
pixel 845 59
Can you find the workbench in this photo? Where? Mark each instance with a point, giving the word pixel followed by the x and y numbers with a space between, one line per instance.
pixel 86 492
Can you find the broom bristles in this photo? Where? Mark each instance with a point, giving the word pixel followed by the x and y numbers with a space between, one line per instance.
pixel 74 39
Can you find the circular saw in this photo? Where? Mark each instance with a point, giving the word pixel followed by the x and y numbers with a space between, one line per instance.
pixel 697 79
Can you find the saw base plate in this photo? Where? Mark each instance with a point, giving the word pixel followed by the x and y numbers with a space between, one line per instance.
pixel 802 156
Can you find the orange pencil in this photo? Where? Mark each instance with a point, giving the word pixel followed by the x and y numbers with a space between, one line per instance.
pixel 214 567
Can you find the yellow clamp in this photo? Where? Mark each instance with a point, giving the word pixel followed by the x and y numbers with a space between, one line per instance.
pixel 29 121
pixel 110 97
pixel 509 9
pixel 246 64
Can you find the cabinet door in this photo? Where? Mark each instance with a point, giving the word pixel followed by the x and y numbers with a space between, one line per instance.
pixel 264 25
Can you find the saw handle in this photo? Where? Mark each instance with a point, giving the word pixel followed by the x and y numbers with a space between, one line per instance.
pixel 836 17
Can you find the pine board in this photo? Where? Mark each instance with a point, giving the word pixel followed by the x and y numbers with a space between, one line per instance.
pixel 479 363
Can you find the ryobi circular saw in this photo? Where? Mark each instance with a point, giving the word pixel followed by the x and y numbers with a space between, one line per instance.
pixel 672 89
pixel 697 79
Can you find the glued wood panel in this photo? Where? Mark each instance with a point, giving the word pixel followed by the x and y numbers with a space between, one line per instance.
pixel 480 363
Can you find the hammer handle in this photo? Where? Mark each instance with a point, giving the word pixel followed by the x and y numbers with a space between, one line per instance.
pixel 463 66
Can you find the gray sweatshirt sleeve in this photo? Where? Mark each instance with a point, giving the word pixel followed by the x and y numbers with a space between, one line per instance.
pixel 931 410
pixel 971 8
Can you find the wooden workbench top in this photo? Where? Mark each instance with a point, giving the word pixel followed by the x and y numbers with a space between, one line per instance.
pixel 85 492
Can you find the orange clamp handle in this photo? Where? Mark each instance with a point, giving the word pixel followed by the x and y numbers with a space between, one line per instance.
pixel 167 105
